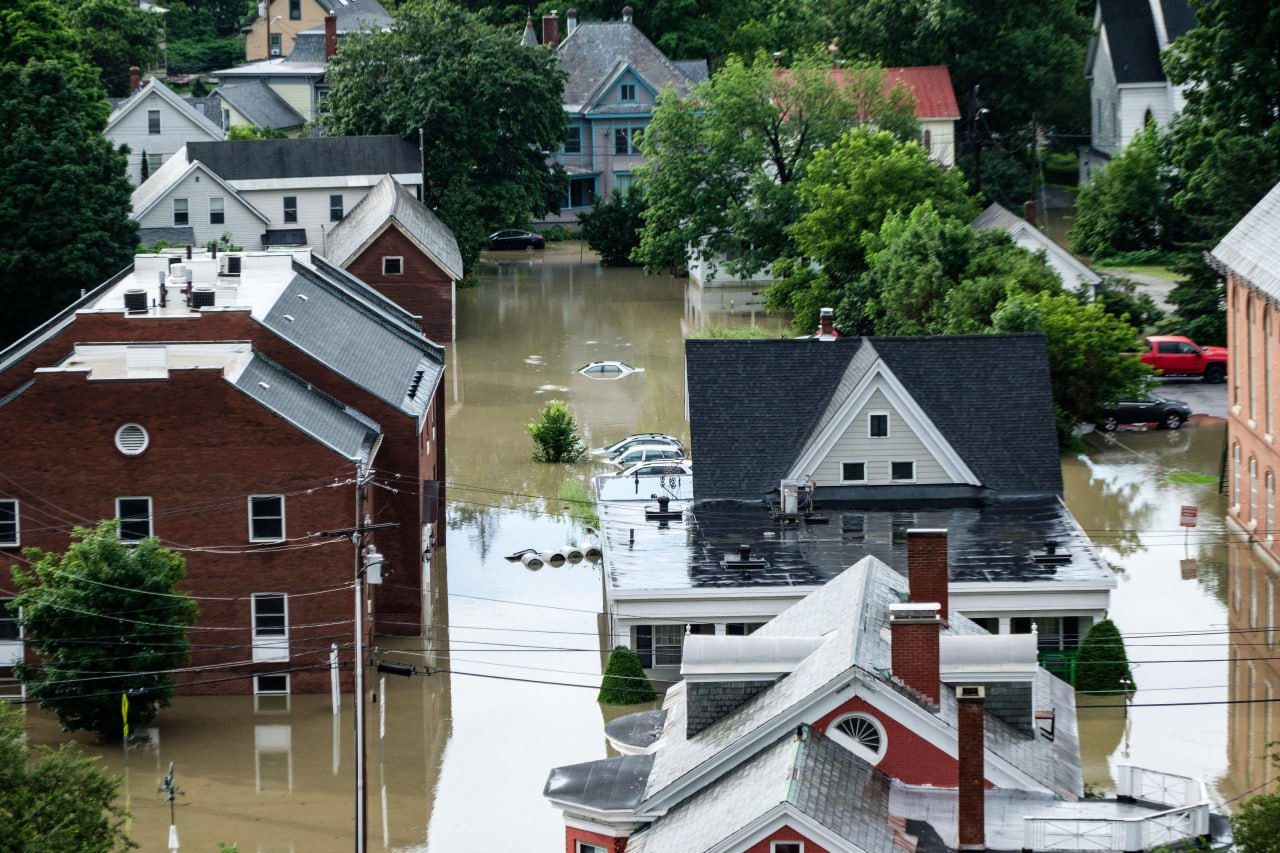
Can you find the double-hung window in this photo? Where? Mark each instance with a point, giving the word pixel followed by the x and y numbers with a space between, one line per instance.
pixel 659 645
pixel 295 10
pixel 291 208
pixel 336 211
pixel 217 211
pixel 626 140
pixel 9 529
pixel 181 212
pixel 135 518
pixel 153 122
pixel 878 425
pixel 266 518
pixel 627 92
pixel 573 139
pixel 270 627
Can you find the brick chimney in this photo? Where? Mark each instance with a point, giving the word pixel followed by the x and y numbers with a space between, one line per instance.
pixel 914 629
pixel 135 78
pixel 971 766
pixel 551 29
pixel 627 14
pixel 330 36
pixel 570 22
pixel 927 575
pixel 827 324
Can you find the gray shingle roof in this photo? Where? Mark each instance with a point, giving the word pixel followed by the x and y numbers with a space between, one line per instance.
pixel 594 51
pixel 257 102
pixel 754 405
pixel 173 235
pixel 694 69
pixel 340 327
pixel 1131 37
pixel 307 158
pixel 308 48
pixel 356 14
pixel 339 427
pixel 1252 248
pixel 389 200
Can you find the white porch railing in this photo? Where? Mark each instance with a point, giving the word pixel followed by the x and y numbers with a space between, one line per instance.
pixel 1187 817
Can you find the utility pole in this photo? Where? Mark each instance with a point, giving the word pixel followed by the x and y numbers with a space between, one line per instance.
pixel 975 141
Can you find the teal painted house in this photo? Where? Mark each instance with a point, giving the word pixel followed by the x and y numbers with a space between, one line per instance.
pixel 614 76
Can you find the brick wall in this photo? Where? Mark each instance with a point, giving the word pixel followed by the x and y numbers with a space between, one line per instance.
pixel 908 757
pixel 211 446
pixel 927 575
pixel 915 650
pixel 573 835
pixel 422 289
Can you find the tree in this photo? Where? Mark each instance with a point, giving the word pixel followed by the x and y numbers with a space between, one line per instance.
pixel 1088 364
pixel 1101 663
pixel 556 434
pixel 624 680
pixel 1129 205
pixel 115 34
pixel 64 197
pixel 1025 54
pixel 252 131
pixel 612 227
pixel 34 30
pixel 724 165
pixel 487 107
pixel 57 801
pixel 846 194
pixel 1255 827
pixel 105 619
pixel 1120 297
pixel 930 276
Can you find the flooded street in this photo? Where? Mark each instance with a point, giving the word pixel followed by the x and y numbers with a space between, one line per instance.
pixel 466 751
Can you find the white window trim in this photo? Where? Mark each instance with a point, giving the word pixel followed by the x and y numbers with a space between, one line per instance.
pixel 888 429
pixel 398 258
pixel 775 846
pixel 288 686
pixel 17 524
pixel 853 746
pixel 249 506
pixel 151 523
pixel 893 462
pixel 159 123
pixel 845 462
pixel 269 647
pixel 187 212
pixel 223 211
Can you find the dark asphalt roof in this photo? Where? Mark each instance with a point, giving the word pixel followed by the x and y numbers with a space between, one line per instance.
pixel 1178 17
pixel 640 729
pixel 1131 37
pixel 259 103
pixel 307 157
pixel 607 784
pixel 173 235
pixel 754 405
pixel 308 48
pixel 992 543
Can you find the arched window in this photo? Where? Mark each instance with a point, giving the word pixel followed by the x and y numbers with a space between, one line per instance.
pixel 1271 507
pixel 1253 492
pixel 1266 370
pixel 861 734
pixel 1235 478
pixel 1249 355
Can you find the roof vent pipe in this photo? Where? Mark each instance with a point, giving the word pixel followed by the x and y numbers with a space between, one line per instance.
pixel 627 14
pixel 570 22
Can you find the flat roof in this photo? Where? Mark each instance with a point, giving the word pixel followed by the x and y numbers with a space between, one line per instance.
pixel 993 544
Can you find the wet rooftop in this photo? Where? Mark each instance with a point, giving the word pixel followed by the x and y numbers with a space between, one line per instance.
pixel 996 543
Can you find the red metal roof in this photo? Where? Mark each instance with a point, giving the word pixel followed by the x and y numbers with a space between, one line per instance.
pixel 930 84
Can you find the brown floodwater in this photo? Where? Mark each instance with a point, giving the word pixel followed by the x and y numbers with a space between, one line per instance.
pixel 463 757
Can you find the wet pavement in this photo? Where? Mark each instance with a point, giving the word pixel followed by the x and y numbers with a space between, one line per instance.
pixel 465 753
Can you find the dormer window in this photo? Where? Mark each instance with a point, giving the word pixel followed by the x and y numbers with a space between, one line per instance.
pixel 627 92
pixel 878 425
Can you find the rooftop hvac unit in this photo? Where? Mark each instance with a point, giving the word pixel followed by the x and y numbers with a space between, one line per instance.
pixel 790 490
pixel 202 297
pixel 135 301
pixel 233 264
pixel 180 273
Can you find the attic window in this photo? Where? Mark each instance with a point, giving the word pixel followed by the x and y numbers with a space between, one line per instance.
pixel 392 265
pixel 132 439
pixel 878 425
pixel 627 92
pixel 861 734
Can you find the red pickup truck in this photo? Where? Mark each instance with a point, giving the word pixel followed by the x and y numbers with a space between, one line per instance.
pixel 1173 355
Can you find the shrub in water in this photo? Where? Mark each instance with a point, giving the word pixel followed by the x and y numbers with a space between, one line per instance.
pixel 1102 663
pixel 556 435
pixel 624 680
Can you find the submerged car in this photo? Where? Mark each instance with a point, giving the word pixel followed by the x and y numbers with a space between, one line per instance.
pixel 660 468
pixel 513 239
pixel 608 369
pixel 621 446
pixel 646 453
pixel 1164 413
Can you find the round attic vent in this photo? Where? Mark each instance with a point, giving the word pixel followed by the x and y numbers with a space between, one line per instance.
pixel 132 439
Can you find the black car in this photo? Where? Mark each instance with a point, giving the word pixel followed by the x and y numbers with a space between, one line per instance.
pixel 513 239
pixel 1165 414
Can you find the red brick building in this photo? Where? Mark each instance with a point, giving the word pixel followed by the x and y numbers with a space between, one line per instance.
pixel 1249 256
pixel 226 412
pixel 393 243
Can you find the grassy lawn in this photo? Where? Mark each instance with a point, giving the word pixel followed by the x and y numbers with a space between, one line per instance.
pixel 1147 269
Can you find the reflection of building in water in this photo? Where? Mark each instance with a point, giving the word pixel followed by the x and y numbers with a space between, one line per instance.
pixel 1254 671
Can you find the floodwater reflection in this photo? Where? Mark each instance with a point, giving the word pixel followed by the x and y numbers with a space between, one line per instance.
pixel 1196 607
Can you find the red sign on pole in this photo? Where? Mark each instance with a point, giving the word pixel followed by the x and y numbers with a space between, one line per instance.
pixel 1188 516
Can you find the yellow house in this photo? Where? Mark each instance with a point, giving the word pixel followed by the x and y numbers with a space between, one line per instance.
pixel 278 22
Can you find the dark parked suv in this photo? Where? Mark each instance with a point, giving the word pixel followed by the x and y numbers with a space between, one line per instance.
pixel 1165 414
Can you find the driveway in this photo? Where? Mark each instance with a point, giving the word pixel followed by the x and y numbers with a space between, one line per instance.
pixel 1202 397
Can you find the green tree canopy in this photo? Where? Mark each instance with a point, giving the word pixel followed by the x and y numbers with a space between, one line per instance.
pixel 1026 55
pixel 115 34
pixel 930 276
pixel 487 107
pixel 1101 664
pixel 624 680
pixel 35 30
pixel 1255 827
pixel 612 227
pixel 105 619
pixel 64 197
pixel 846 194
pixel 725 164
pixel 57 801
pixel 1088 367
